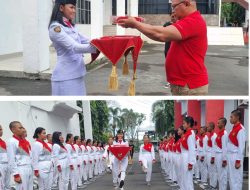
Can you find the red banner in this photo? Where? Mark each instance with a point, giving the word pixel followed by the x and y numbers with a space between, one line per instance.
pixel 119 151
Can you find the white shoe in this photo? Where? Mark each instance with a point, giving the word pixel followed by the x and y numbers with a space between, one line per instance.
pixel 148 183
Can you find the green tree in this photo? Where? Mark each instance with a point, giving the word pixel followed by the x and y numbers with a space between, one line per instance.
pixel 233 13
pixel 163 116
pixel 100 119
pixel 132 120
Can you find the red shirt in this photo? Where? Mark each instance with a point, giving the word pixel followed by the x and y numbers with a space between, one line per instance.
pixel 185 59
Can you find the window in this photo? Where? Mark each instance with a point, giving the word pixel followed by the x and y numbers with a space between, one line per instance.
pixel 164 7
pixel 83 12
pixel 114 4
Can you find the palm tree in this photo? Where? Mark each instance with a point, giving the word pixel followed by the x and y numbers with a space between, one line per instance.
pixel 163 116
pixel 114 115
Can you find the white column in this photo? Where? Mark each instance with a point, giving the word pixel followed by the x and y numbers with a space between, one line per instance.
pixel 133 7
pixel 247 18
pixel 35 35
pixel 96 18
pixel 120 11
pixel 219 13
pixel 87 119
pixel 107 12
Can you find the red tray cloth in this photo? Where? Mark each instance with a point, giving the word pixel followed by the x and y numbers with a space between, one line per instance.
pixel 114 47
pixel 119 151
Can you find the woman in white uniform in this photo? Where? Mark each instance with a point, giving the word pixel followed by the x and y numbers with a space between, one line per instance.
pixel 147 157
pixel 188 153
pixel 73 174
pixel 42 161
pixel 61 160
pixel 68 75
pixel 91 159
pixel 85 155
pixel 80 165
pixel 120 167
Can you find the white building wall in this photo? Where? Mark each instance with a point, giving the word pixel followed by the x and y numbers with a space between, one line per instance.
pixel 32 117
pixel 11 27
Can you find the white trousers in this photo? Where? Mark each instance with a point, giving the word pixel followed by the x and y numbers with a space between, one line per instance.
pixel 235 175
pixel 63 176
pixel 203 169
pixel 147 163
pixel 187 179
pixel 5 176
pixel 120 167
pixel 55 177
pixel 178 167
pixel 91 169
pixel 26 174
pixel 211 171
pixel 222 172
pixel 45 180
pixel 74 175
pixel 196 170
pixel 85 170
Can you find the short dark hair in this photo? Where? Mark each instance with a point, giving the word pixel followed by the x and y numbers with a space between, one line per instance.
pixel 189 120
pixel 224 120
pixel 38 130
pixel 76 138
pixel 55 138
pixel 88 141
pixel 237 113
pixel 211 124
pixel 13 124
pixel 68 136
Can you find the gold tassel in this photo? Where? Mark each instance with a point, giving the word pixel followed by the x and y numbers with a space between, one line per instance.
pixel 131 90
pixel 125 69
pixel 113 79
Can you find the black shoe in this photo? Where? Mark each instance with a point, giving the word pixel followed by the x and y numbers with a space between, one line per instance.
pixel 121 184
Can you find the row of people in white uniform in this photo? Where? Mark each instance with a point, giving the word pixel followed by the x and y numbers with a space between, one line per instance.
pixel 73 161
pixel 213 158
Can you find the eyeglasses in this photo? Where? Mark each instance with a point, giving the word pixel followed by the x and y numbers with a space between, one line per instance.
pixel 174 6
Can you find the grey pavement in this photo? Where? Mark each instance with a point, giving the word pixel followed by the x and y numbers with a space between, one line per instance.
pixel 135 180
pixel 227 68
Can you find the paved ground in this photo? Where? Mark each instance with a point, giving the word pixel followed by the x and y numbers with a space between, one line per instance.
pixel 135 180
pixel 227 67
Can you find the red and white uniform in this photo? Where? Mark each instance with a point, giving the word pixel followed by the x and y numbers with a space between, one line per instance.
pixel 211 155
pixel 20 162
pixel 220 157
pixel 235 149
pixel 61 160
pixel 146 157
pixel 119 167
pixel 42 164
pixel 4 168
pixel 73 162
pixel 188 159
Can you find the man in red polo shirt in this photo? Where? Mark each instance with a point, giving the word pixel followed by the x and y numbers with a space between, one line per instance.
pixel 185 68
